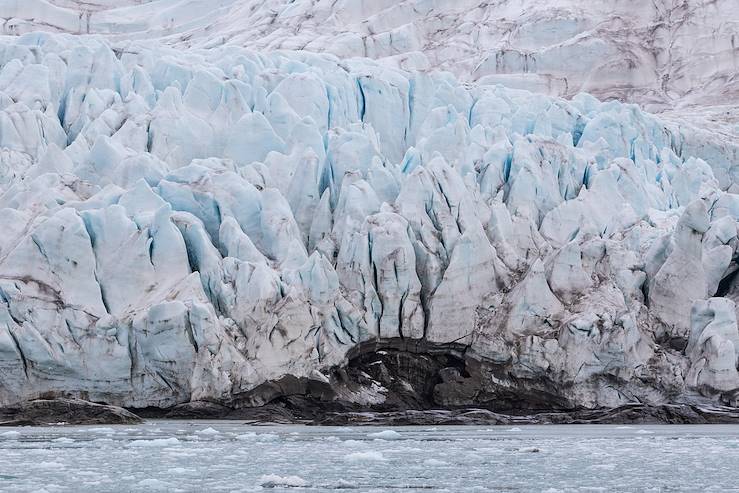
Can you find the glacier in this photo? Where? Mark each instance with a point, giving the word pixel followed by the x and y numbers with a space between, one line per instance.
pixel 231 225
pixel 663 54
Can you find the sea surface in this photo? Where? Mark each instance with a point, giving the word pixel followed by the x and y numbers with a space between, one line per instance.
pixel 214 456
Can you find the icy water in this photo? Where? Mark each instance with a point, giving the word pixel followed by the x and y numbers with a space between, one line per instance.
pixel 229 456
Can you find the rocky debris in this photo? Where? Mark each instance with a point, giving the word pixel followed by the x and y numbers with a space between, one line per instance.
pixel 313 412
pixel 276 412
pixel 416 417
pixel 41 412
pixel 430 384
pixel 632 414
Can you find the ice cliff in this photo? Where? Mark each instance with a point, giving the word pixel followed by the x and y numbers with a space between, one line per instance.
pixel 664 53
pixel 193 224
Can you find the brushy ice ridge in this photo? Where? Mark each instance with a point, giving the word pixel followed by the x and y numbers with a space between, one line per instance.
pixel 183 225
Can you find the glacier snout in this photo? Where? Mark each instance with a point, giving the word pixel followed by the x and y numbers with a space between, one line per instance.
pixel 193 226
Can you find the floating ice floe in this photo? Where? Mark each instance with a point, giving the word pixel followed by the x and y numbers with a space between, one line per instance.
pixel 275 481
pixel 369 456
pixel 386 435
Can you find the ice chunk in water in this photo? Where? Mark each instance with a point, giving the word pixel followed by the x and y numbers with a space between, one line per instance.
pixel 386 435
pixel 275 481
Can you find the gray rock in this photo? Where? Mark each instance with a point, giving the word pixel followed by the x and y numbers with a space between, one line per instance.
pixel 67 411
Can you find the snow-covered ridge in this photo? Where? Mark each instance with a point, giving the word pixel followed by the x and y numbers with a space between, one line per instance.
pixel 189 224
pixel 665 54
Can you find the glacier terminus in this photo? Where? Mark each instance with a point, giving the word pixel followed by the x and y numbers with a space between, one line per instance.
pixel 200 221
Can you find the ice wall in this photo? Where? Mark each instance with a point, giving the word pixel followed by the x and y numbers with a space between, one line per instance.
pixel 182 225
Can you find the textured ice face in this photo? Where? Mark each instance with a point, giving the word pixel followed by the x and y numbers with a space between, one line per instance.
pixel 186 225
pixel 664 53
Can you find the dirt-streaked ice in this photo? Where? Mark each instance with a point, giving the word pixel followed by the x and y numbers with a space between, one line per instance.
pixel 190 222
